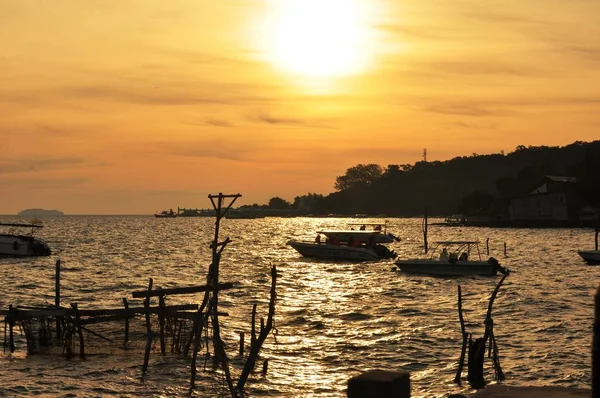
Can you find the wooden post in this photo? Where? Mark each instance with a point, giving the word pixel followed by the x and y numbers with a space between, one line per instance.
pixel 504 249
pixel 265 367
pixel 465 337
pixel 253 335
pixel 11 324
pixel 597 231
pixel 148 330
pixel 79 331
pixel 241 344
pixel 596 345
pixel 196 333
pixel 487 246
pixel 161 321
pixel 425 230
pixel 57 299
pixel 126 339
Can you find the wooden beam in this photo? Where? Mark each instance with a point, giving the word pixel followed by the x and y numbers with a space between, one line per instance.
pixel 181 290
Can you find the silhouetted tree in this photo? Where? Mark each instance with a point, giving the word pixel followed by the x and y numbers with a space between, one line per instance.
pixel 278 203
pixel 358 176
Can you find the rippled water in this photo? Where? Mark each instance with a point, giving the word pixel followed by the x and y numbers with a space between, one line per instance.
pixel 334 320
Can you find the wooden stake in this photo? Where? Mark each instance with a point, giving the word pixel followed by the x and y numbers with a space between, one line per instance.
pixel 126 339
pixel 161 321
pixel 11 324
pixel 253 333
pixel 79 331
pixel 196 333
pixel 487 246
pixel 465 337
pixel 241 344
pixel 596 343
pixel 148 330
pixel 425 230
pixel 57 299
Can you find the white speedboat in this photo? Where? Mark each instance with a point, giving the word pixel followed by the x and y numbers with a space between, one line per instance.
pixel 18 240
pixel 452 258
pixel 349 244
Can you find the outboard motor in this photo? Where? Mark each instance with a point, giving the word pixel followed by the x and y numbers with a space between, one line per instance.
pixel 497 266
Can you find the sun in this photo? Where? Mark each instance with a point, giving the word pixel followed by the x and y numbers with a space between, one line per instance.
pixel 319 38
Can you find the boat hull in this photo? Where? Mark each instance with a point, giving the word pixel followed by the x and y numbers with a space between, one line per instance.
pixel 334 252
pixel 22 246
pixel 438 268
pixel 590 256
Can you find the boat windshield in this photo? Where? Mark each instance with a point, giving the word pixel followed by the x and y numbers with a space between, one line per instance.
pixel 370 226
pixel 456 248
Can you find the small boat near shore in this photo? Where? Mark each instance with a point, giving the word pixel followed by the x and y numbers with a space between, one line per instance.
pixel 452 258
pixel 18 240
pixel 592 257
pixel 349 244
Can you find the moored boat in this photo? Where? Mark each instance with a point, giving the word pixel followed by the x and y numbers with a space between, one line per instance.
pixel 22 244
pixel 452 258
pixel 591 257
pixel 349 244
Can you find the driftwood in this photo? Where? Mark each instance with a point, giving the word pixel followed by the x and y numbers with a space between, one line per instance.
pixel 477 347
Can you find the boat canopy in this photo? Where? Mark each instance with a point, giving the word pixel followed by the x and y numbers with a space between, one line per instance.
pixel 17 225
pixel 457 242
pixel 368 223
pixel 347 231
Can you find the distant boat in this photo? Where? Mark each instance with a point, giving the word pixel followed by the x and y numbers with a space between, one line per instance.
pixel 452 258
pixel 22 244
pixel 166 214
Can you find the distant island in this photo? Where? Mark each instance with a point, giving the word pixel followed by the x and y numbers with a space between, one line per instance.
pixel 40 213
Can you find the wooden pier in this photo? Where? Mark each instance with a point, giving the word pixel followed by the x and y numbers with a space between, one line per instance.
pixel 182 328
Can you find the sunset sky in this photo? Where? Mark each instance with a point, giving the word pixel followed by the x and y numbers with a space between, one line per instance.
pixel 135 106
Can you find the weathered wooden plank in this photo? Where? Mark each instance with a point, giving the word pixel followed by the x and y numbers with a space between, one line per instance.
pixel 181 290
pixel 21 315
pixel 119 313
pixel 136 310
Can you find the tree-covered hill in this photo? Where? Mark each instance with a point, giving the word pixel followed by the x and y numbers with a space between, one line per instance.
pixel 442 186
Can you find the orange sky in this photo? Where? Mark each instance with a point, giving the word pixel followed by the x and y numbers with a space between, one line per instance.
pixel 134 106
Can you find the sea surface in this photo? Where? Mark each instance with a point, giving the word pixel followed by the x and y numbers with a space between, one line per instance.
pixel 333 320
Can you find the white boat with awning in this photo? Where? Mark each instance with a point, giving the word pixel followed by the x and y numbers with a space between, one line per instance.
pixel 349 244
pixel 452 258
pixel 18 240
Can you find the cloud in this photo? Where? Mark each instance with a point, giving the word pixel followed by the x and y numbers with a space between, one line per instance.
pixel 217 122
pixel 474 126
pixel 264 117
pixel 481 107
pixel 45 182
pixel 38 164
pixel 464 110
